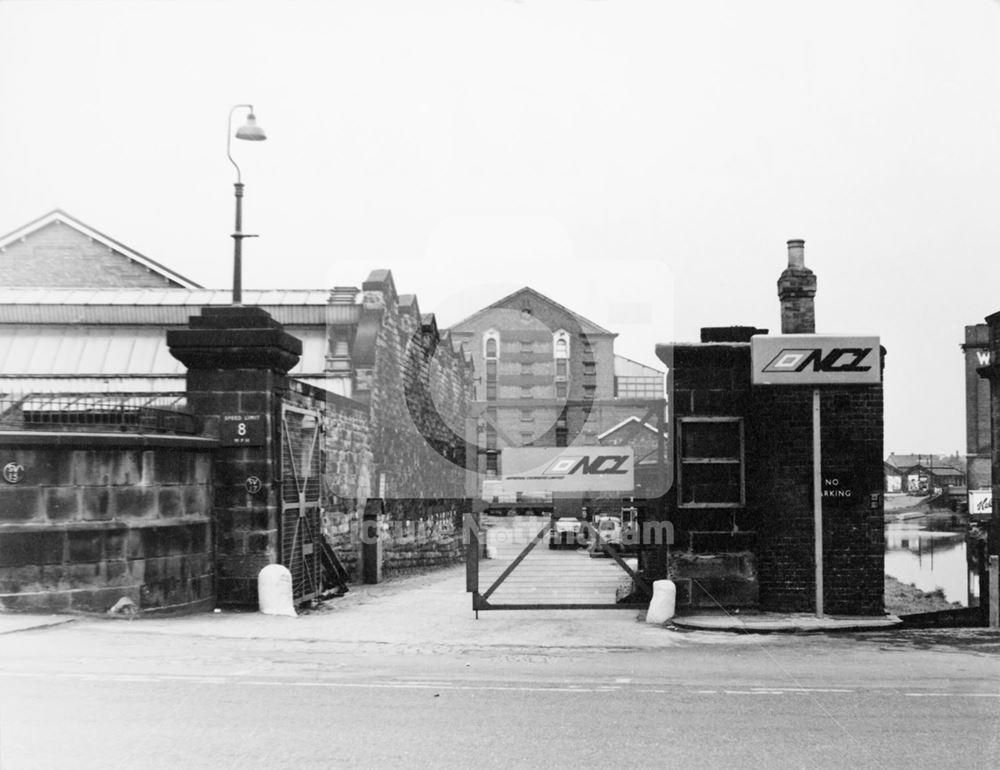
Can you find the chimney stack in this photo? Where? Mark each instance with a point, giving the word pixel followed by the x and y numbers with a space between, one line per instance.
pixel 796 290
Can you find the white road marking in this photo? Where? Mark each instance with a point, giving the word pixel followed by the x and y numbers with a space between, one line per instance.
pixel 952 694
pixel 458 686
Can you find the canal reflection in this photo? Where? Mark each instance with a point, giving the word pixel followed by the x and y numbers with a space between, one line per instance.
pixel 929 559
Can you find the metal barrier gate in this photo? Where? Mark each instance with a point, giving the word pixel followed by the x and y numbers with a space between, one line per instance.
pixel 535 567
pixel 301 494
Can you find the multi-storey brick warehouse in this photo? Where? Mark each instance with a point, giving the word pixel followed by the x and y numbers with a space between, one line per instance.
pixel 548 377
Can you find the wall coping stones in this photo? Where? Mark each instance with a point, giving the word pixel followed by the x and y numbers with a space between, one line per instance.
pixel 88 440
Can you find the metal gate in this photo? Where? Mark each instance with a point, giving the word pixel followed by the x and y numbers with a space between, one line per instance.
pixel 533 566
pixel 301 496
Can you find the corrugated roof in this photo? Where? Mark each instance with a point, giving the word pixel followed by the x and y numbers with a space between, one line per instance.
pixel 164 306
pixel 115 351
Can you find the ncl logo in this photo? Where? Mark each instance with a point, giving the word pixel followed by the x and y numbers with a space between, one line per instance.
pixel 600 465
pixel 836 360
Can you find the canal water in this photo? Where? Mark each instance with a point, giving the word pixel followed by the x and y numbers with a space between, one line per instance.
pixel 928 558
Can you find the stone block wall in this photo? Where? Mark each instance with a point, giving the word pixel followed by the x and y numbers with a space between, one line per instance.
pixel 434 539
pixel 418 387
pixel 99 517
pixel 347 465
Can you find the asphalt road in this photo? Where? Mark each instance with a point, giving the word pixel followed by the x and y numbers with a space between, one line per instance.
pixel 88 695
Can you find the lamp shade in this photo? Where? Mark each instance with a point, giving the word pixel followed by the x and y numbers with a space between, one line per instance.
pixel 250 130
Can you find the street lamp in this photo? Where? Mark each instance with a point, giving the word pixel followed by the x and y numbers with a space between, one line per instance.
pixel 251 132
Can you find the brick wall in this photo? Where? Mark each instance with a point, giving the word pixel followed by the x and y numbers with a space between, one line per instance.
pixel 96 519
pixel 780 446
pixel 58 255
pixel 713 561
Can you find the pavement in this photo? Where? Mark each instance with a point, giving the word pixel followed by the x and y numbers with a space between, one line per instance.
pixel 433 610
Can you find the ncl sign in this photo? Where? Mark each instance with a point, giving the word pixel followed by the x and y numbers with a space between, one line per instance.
pixel 808 359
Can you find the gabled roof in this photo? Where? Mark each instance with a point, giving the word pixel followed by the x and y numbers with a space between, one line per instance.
pixel 587 325
pixel 57 215
pixel 624 423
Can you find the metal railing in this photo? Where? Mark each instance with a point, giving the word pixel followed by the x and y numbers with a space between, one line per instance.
pixel 118 412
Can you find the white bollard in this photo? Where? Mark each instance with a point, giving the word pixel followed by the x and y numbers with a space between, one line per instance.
pixel 274 591
pixel 661 606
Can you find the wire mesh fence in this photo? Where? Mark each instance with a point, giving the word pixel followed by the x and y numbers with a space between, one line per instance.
pixel 117 412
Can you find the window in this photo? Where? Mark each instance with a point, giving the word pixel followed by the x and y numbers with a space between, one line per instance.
pixel 639 387
pixel 525 368
pixel 710 472
pixel 491 463
pixel 525 392
pixel 527 346
pixel 491 380
pixel 561 436
pixel 589 368
pixel 527 415
pixel 340 352
pixel 560 352
pixel 526 438
pixel 491 352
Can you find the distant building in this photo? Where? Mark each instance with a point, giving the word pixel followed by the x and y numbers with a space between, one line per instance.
pixel 922 474
pixel 549 377
pixel 978 441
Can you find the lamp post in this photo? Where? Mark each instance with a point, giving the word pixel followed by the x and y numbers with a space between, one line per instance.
pixel 251 132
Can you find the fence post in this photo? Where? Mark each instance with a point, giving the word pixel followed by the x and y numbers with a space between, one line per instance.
pixel 371 541
pixel 994 591
pixel 470 533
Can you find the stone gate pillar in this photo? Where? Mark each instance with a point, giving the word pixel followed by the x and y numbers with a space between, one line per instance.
pixel 238 359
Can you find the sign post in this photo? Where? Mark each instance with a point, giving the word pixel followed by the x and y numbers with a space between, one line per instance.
pixel 809 359
pixel 817 500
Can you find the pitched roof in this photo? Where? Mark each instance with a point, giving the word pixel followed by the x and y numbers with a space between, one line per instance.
pixel 586 324
pixel 626 422
pixel 57 215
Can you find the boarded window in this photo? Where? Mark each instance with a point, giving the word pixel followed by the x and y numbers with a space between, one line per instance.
pixel 710 472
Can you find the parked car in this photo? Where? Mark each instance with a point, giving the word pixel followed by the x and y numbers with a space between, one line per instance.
pixel 567 532
pixel 609 530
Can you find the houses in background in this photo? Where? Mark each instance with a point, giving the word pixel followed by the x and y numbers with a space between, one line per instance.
pixel 921 474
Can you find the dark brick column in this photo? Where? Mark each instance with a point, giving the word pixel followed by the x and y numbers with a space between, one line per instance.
pixel 992 373
pixel 238 359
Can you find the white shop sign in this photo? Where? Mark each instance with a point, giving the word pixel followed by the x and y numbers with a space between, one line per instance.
pixel 809 359
pixel 570 469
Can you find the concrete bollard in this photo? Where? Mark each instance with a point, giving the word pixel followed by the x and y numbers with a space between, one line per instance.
pixel 661 606
pixel 274 591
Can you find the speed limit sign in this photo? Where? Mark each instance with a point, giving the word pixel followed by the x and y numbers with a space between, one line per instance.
pixel 243 430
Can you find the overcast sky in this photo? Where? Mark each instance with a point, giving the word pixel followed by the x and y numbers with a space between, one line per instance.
pixel 640 162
